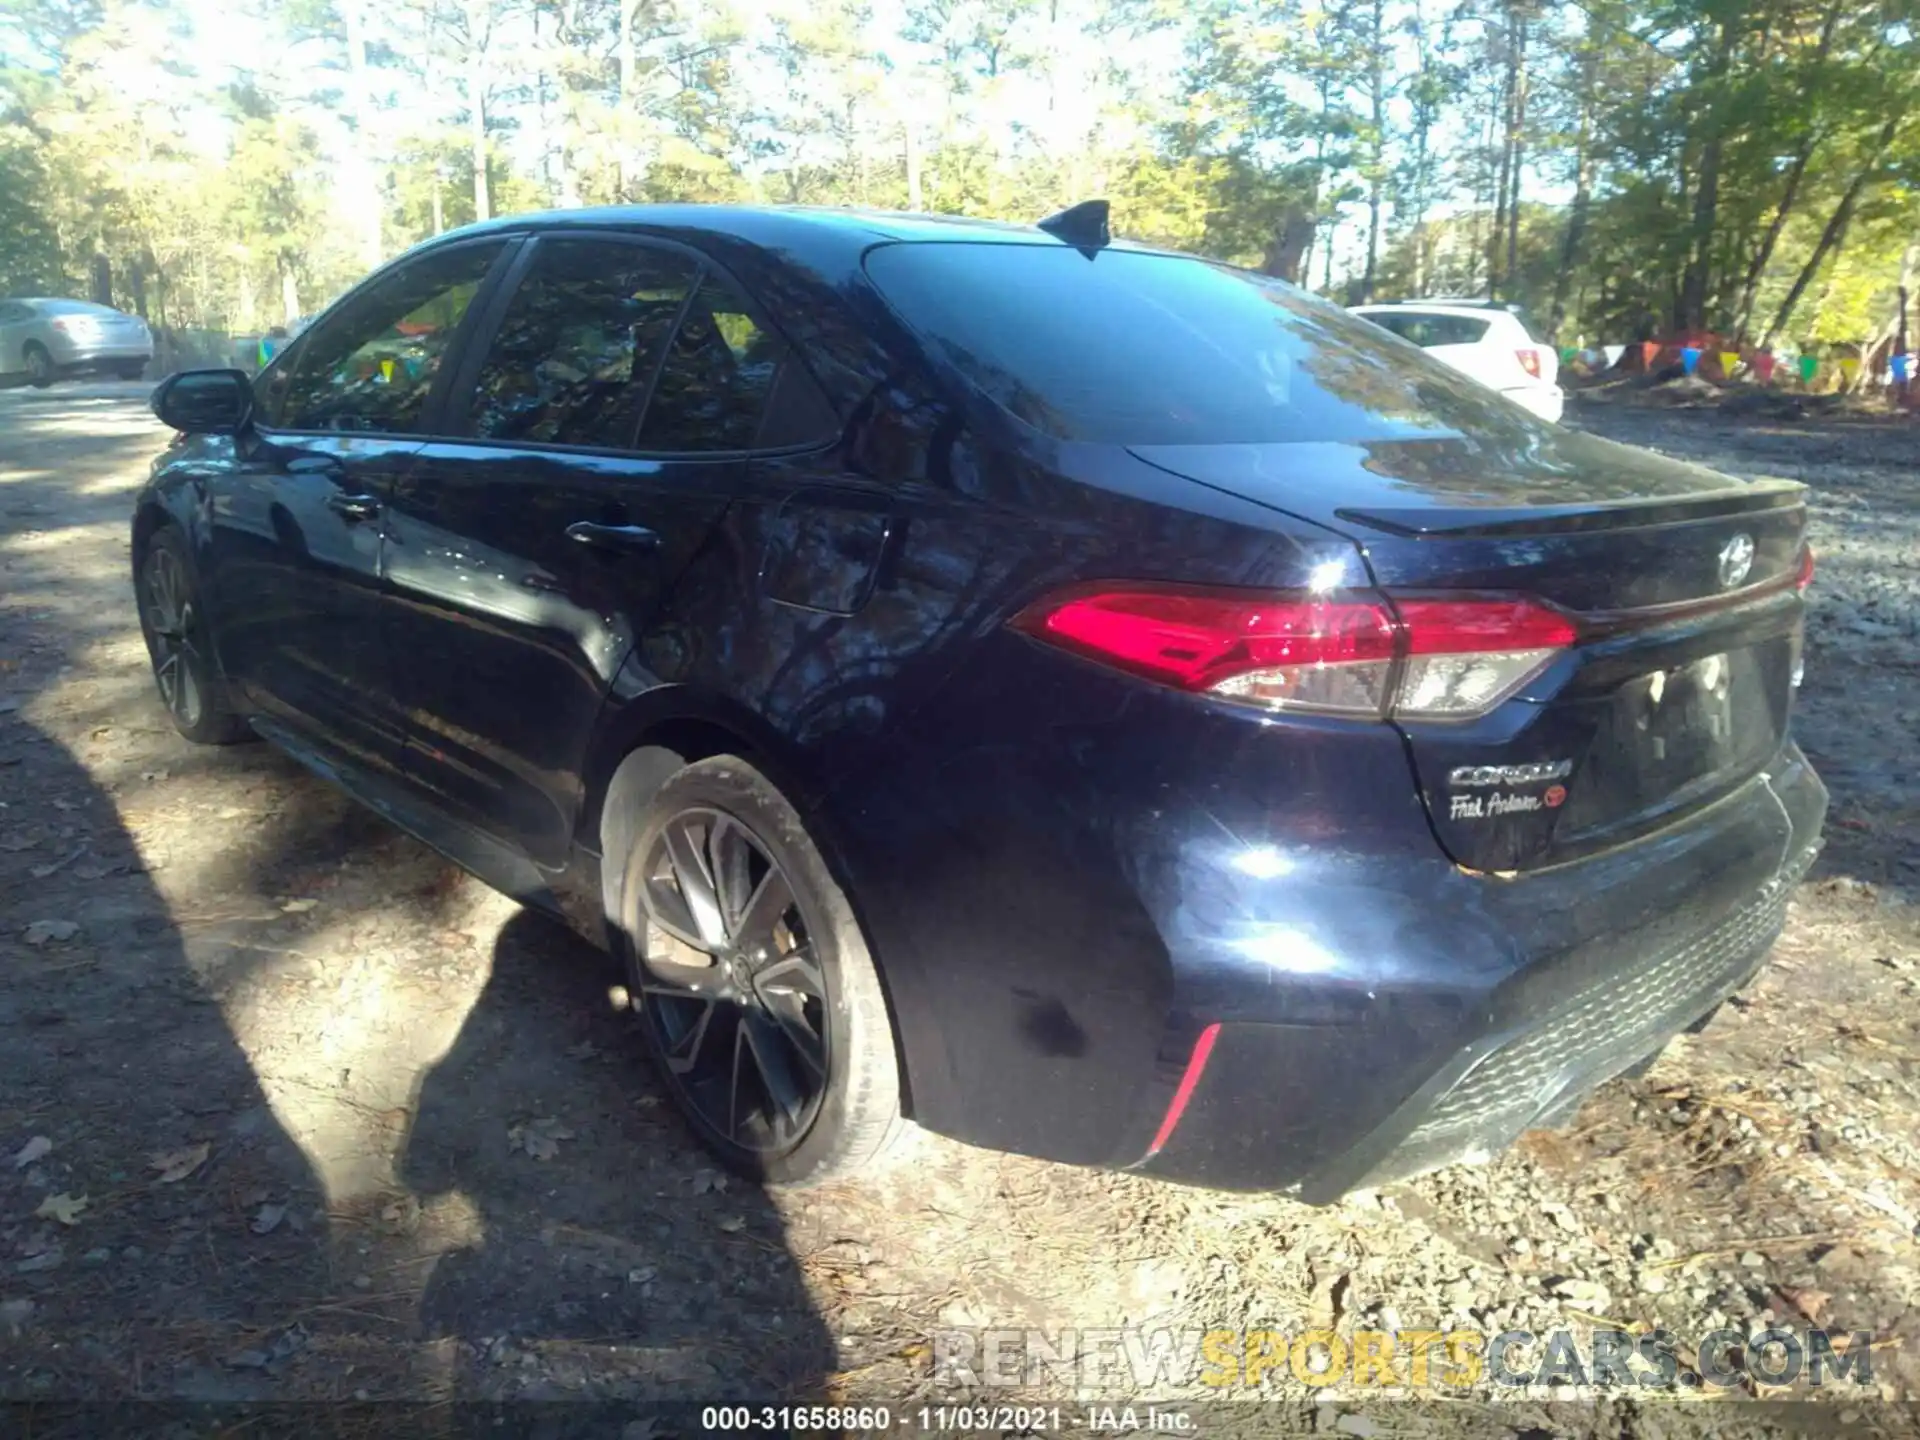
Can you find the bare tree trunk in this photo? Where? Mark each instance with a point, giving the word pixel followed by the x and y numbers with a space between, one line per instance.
pixel 627 67
pixel 1505 127
pixel 364 177
pixel 1834 235
pixel 914 201
pixel 1756 268
pixel 1697 280
pixel 289 292
pixel 1377 92
pixel 1516 141
pixel 477 108
pixel 1577 211
pixel 1287 254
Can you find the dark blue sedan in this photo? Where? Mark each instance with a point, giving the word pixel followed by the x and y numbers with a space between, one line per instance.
pixel 1083 700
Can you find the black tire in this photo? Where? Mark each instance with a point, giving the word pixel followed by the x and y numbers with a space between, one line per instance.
pixel 174 626
pixel 40 367
pixel 780 1056
pixel 131 372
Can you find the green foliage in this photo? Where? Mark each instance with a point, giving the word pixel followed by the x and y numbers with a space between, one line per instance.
pixel 1681 162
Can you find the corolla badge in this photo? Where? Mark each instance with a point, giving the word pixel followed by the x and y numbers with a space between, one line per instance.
pixel 1736 559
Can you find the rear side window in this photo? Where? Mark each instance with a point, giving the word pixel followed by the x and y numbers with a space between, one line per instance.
pixel 579 344
pixel 1428 330
pixel 718 374
pixel 371 364
pixel 1131 348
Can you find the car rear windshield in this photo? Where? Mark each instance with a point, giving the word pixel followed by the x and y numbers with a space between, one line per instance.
pixel 1131 348
pixel 1427 329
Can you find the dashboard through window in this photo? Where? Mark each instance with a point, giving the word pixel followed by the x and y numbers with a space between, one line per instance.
pixel 371 365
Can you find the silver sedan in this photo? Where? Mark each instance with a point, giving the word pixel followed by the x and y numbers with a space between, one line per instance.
pixel 45 339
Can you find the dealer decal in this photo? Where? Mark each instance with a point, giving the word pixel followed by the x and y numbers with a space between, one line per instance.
pixel 1505 800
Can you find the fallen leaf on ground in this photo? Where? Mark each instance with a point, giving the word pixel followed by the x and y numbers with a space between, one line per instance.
pixel 286 1343
pixel 733 1224
pixel 539 1138
pixel 585 1050
pixel 1810 1303
pixel 14 1314
pixel 297 907
pixel 41 931
pixel 67 1209
pixel 38 1148
pixel 176 1165
pixel 48 1259
pixel 708 1182
pixel 1588 1295
pixel 267 1219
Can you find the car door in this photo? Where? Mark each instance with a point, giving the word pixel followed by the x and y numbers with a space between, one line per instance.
pixel 607 425
pixel 297 529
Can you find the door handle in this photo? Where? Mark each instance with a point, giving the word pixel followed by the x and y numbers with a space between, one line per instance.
pixel 354 507
pixel 613 537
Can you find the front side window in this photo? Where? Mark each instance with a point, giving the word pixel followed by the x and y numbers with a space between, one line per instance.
pixel 580 343
pixel 717 375
pixel 371 365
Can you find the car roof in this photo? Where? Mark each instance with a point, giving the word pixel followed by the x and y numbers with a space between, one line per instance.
pixel 58 305
pixel 807 227
pixel 1437 307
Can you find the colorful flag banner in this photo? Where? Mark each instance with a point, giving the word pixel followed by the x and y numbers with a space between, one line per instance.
pixel 1729 362
pixel 1902 367
pixel 1763 366
pixel 1649 352
pixel 1690 358
pixel 1569 353
pixel 1849 367
pixel 1809 367
pixel 386 370
pixel 1613 354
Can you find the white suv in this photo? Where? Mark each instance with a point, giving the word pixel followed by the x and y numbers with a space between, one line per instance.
pixel 1482 339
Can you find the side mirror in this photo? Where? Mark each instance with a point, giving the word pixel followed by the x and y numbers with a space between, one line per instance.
pixel 205 402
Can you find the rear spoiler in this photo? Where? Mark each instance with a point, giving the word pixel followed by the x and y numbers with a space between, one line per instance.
pixel 1471 522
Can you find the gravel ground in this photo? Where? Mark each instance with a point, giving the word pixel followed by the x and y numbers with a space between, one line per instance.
pixel 289 1109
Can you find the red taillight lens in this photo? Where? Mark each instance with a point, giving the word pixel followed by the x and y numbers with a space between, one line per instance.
pixel 1529 362
pixel 1455 658
pixel 1805 577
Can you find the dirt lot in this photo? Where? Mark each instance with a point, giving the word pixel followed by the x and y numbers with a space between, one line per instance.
pixel 291 1109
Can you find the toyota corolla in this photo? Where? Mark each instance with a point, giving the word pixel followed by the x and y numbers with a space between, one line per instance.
pixel 1080 699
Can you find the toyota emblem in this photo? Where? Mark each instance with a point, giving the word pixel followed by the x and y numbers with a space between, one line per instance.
pixel 1736 559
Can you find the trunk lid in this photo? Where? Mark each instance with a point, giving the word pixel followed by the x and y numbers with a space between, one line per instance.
pixel 1682 582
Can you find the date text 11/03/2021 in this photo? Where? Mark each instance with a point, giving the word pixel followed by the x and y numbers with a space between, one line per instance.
pixel 949 1419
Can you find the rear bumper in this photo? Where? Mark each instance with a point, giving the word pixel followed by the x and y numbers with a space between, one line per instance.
pixel 84 354
pixel 1549 402
pixel 1609 959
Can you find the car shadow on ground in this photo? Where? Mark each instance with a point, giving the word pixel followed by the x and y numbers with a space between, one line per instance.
pixel 170 1222
pixel 321 1117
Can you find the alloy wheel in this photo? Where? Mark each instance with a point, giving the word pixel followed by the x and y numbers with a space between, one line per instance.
pixel 732 984
pixel 171 623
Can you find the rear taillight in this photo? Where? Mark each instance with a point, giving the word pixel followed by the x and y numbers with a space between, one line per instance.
pixel 1426 658
pixel 1529 361
pixel 1805 577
